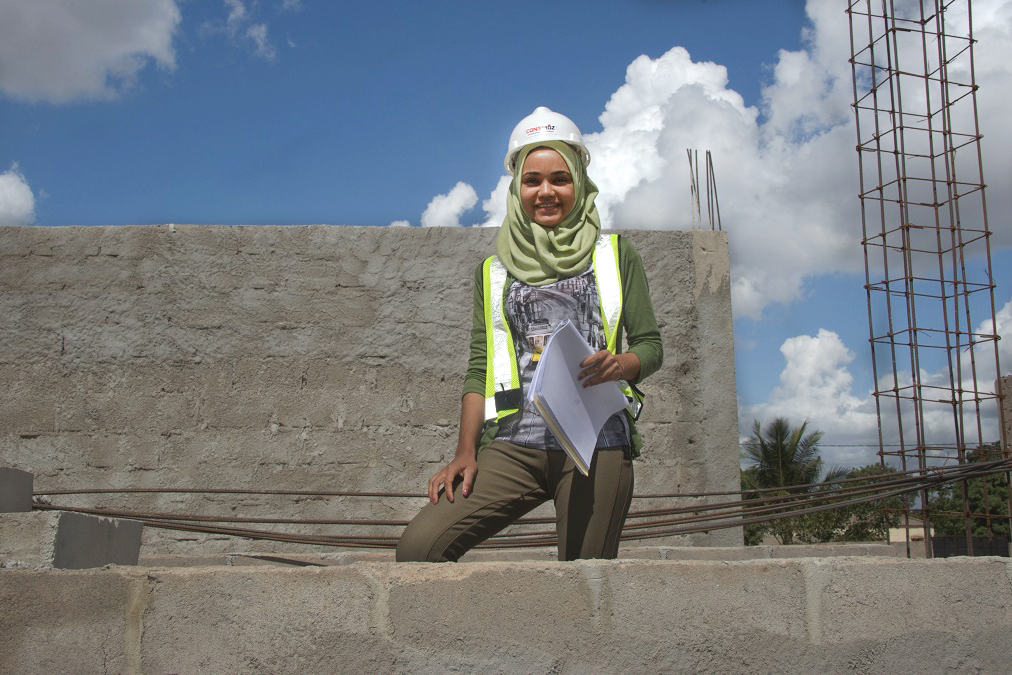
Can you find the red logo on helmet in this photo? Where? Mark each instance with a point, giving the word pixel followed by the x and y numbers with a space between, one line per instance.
pixel 542 127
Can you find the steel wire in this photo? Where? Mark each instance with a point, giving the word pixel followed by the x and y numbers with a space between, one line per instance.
pixel 653 523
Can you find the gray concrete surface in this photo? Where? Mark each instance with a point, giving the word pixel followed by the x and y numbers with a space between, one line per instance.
pixel 84 541
pixel 28 539
pixel 15 490
pixel 626 552
pixel 832 615
pixel 303 358
pixel 63 540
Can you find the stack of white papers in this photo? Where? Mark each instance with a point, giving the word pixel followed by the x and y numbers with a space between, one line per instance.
pixel 574 413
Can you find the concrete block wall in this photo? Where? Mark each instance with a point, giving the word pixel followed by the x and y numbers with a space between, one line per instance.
pixel 15 490
pixel 835 615
pixel 303 358
pixel 59 539
pixel 62 540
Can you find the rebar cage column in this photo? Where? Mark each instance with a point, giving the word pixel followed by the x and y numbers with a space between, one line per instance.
pixel 925 235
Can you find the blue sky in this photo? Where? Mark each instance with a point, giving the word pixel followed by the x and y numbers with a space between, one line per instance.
pixel 311 112
pixel 423 92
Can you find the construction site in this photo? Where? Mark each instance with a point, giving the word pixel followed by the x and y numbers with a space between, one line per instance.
pixel 211 438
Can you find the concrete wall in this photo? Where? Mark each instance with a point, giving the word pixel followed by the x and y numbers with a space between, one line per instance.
pixel 302 358
pixel 15 490
pixel 62 540
pixel 838 615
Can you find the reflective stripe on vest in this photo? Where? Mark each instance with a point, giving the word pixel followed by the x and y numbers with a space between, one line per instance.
pixel 501 372
pixel 500 354
pixel 609 292
pixel 609 286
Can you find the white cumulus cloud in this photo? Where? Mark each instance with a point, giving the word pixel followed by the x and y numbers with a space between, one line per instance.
pixel 816 385
pixel 495 206
pixel 786 171
pixel 58 51
pixel 787 180
pixel 17 203
pixel 993 71
pixel 1003 327
pixel 785 176
pixel 446 210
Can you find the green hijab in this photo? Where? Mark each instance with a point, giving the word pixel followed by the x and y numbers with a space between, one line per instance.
pixel 538 255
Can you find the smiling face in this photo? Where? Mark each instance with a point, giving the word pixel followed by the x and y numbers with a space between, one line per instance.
pixel 547 192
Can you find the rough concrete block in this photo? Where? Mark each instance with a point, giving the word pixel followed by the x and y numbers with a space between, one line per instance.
pixel 835 615
pixel 865 593
pixel 90 541
pixel 264 619
pixel 507 617
pixel 688 603
pixel 833 550
pixel 181 560
pixel 62 622
pixel 27 539
pixel 706 616
pixel 546 554
pixel 67 540
pixel 15 490
pixel 713 552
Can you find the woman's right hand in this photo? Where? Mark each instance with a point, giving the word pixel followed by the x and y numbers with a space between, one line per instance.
pixel 463 465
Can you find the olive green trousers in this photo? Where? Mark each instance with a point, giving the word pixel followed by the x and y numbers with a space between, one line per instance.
pixel 511 481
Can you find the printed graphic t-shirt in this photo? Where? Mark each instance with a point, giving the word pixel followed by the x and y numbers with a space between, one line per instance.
pixel 533 312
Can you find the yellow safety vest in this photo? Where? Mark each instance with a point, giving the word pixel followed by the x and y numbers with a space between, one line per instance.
pixel 502 378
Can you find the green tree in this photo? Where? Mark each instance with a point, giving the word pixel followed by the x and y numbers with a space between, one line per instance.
pixel 867 521
pixel 782 455
pixel 785 461
pixel 985 496
pixel 753 531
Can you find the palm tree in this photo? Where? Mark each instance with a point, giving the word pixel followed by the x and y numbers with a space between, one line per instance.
pixel 785 460
pixel 782 456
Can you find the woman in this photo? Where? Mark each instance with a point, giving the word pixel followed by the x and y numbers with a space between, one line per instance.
pixel 551 264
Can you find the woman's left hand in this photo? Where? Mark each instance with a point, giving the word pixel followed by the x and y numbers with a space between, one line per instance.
pixel 607 367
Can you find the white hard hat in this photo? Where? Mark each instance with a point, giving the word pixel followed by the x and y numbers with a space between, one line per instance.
pixel 544 125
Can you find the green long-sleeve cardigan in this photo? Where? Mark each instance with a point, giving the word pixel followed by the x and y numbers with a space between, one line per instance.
pixel 638 324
